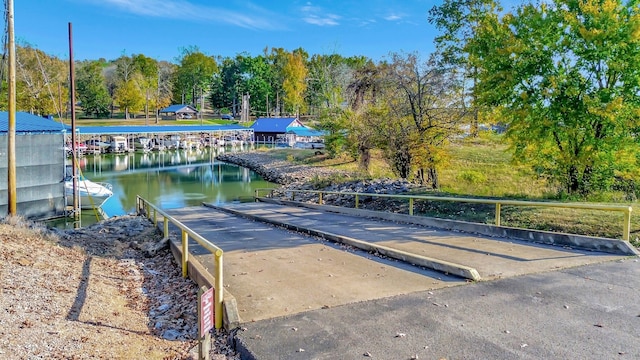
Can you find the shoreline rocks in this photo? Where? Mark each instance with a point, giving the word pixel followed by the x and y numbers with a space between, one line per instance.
pixel 303 177
pixel 278 171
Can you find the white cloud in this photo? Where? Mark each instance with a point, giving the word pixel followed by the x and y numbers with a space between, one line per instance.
pixel 394 17
pixel 316 16
pixel 185 10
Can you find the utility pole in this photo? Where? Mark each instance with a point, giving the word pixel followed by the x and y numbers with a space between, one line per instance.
pixel 11 141
pixel 74 160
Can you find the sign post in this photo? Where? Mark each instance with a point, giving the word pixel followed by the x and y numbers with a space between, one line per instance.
pixel 205 321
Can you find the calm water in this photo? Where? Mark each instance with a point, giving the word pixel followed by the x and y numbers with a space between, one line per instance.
pixel 170 179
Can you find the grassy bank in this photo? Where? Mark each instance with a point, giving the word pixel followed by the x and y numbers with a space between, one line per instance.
pixel 483 168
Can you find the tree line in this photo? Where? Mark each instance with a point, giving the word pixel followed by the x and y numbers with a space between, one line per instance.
pixel 562 76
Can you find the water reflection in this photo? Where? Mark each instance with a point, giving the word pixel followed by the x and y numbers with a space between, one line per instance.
pixel 170 179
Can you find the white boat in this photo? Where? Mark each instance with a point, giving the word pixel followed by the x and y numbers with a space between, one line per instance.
pixel 141 143
pixel 97 145
pixel 118 144
pixel 92 194
pixel 171 142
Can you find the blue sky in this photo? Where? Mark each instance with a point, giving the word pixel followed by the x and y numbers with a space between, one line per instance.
pixel 160 28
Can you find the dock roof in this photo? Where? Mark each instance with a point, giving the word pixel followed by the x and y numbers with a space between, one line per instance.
pixel 29 123
pixel 305 131
pixel 157 129
pixel 179 108
pixel 275 124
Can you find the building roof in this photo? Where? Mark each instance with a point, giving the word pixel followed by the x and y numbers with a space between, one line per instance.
pixel 305 131
pixel 179 108
pixel 29 123
pixel 156 129
pixel 276 125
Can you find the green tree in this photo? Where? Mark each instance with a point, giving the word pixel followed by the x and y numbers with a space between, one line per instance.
pixel 566 77
pixel 92 91
pixel 426 105
pixel 328 79
pixel 364 131
pixel 128 95
pixel 243 74
pixel 194 76
pixel 277 59
pixel 148 68
pixel 458 21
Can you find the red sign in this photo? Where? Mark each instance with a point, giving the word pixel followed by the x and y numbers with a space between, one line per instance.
pixel 206 312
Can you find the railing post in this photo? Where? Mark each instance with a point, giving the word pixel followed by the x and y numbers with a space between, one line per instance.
pixel 411 206
pixel 497 214
pixel 357 201
pixel 293 196
pixel 166 227
pixel 320 198
pixel 185 252
pixel 219 288
pixel 155 217
pixel 626 231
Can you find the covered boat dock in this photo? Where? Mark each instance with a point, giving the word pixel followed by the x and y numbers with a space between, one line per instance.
pixel 160 135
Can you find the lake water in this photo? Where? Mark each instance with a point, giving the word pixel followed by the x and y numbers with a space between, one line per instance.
pixel 169 179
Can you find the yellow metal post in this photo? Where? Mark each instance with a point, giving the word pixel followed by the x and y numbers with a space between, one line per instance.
pixel 320 198
pixel 219 288
pixel 166 227
pixel 185 252
pixel 497 214
pixel 626 232
pixel 155 217
pixel 411 206
pixel 357 201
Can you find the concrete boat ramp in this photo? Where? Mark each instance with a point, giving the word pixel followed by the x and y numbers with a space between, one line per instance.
pixel 314 294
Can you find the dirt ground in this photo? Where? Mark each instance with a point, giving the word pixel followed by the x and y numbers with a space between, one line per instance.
pixel 102 292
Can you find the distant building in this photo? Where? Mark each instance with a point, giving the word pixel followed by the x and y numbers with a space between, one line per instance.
pixel 178 112
pixel 305 136
pixel 269 130
pixel 40 165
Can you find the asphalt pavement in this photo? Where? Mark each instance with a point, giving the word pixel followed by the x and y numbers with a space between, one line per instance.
pixel 587 312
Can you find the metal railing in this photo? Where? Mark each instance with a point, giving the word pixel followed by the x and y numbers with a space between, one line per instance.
pixel 626 210
pixel 152 212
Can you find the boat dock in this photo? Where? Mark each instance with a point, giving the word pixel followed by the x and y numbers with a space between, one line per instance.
pixel 121 139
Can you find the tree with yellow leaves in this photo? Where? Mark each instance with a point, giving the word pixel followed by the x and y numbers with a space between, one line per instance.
pixel 295 81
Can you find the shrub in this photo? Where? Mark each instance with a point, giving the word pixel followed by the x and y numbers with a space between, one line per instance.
pixel 472 177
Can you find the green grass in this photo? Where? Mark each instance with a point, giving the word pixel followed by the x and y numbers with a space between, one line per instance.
pixel 482 167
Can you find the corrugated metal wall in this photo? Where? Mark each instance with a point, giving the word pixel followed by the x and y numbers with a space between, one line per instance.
pixel 40 163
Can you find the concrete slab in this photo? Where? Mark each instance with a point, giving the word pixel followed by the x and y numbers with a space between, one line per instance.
pixel 588 312
pixel 492 257
pixel 273 272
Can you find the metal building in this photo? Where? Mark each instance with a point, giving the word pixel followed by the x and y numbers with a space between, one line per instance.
pixel 40 165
